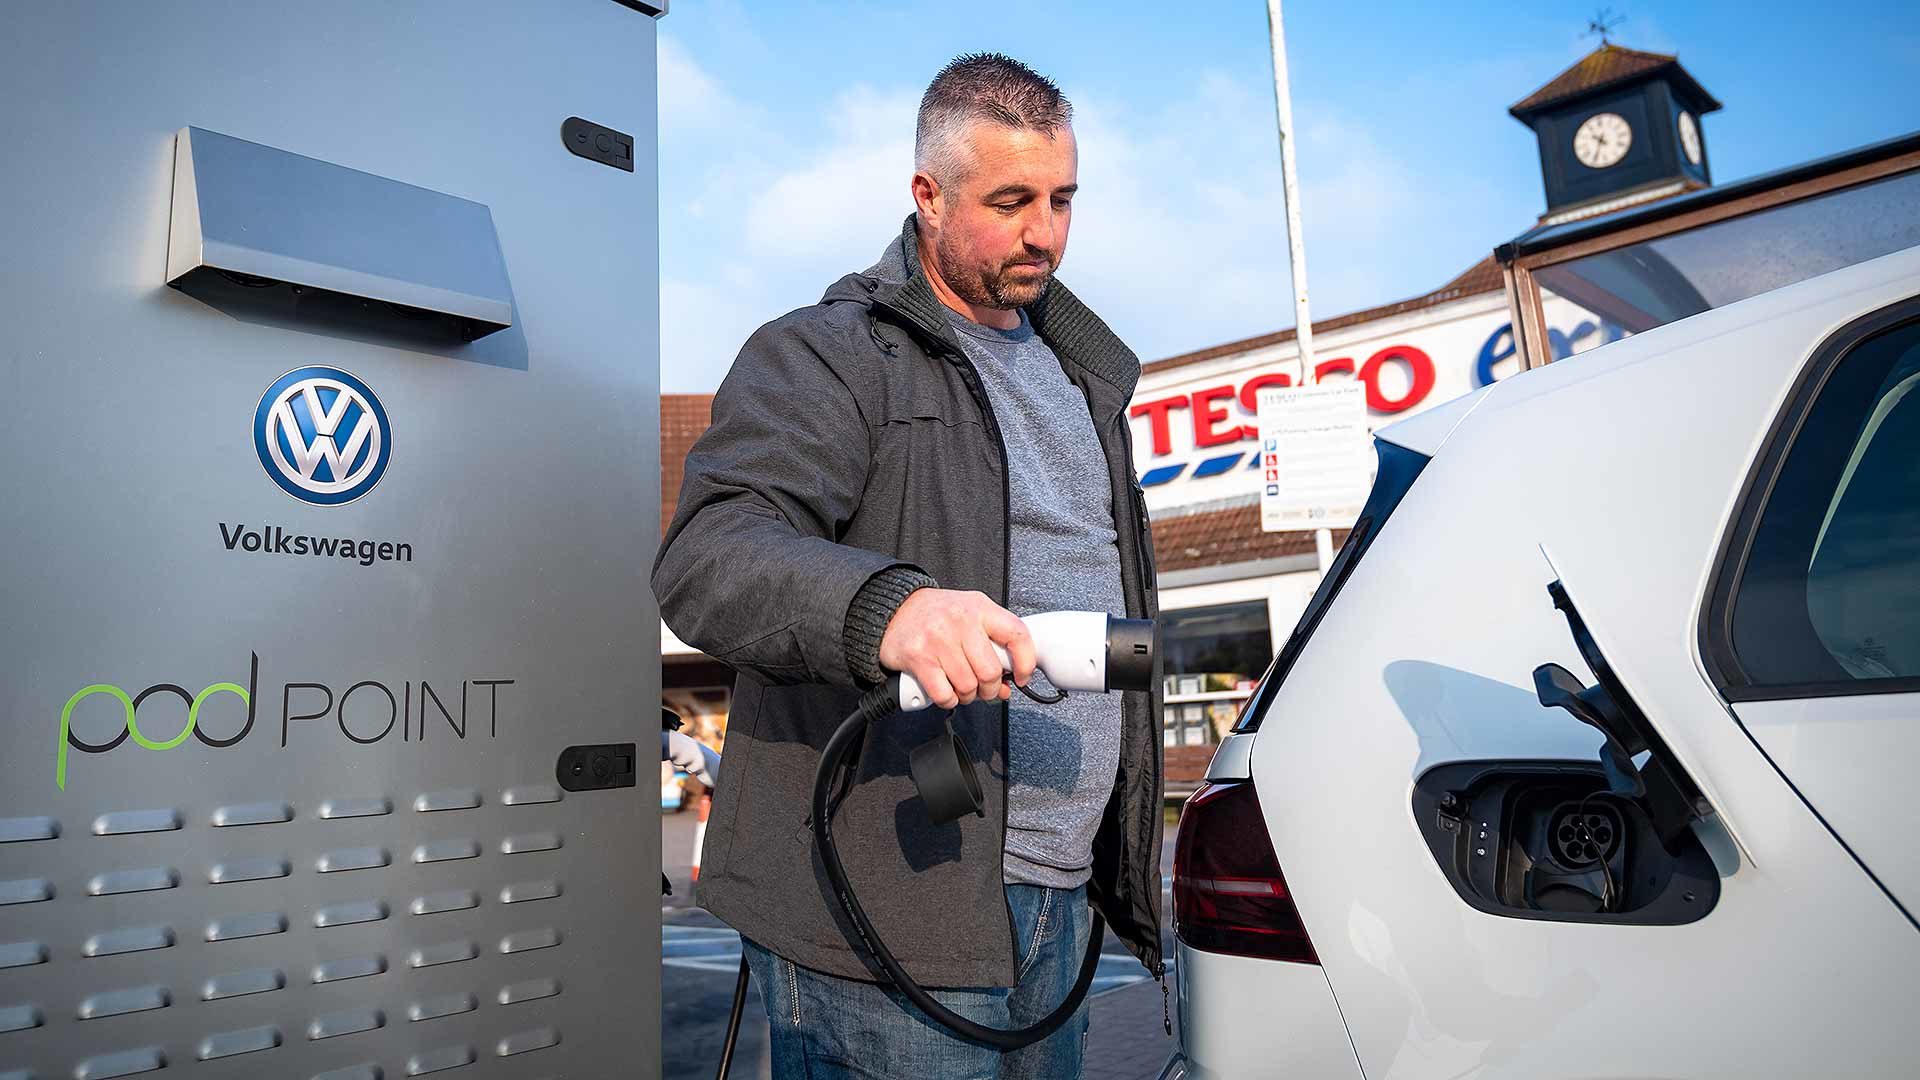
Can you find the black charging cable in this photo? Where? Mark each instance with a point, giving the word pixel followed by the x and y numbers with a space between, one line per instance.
pixel 733 1018
pixel 878 704
pixel 831 783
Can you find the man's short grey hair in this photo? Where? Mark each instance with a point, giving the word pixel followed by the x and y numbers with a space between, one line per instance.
pixel 981 88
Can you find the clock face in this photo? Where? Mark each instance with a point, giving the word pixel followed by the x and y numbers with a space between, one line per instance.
pixel 1690 137
pixel 1602 140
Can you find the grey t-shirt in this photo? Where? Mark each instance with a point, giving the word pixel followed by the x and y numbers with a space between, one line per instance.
pixel 1061 759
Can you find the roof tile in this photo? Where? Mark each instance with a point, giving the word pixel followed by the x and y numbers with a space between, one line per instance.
pixel 1219 537
pixel 1604 66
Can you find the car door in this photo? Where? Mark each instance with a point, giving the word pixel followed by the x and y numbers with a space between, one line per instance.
pixel 1814 632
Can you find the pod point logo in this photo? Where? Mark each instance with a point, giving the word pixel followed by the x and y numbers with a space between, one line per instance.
pixel 473 708
pixel 322 435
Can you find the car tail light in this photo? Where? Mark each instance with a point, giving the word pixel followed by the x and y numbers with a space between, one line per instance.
pixel 1228 894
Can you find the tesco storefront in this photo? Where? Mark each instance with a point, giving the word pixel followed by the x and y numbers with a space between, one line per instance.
pixel 1230 593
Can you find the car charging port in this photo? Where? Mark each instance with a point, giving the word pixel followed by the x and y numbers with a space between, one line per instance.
pixel 1584 834
pixel 1549 840
pixel 1573 853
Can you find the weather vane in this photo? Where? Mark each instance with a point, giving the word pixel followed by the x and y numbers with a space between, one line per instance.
pixel 1602 24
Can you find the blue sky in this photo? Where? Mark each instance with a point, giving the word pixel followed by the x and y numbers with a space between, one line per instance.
pixel 787 131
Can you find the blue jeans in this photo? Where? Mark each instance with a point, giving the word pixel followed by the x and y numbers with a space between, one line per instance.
pixel 828 1028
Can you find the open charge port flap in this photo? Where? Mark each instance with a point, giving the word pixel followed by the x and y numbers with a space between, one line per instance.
pixel 1548 840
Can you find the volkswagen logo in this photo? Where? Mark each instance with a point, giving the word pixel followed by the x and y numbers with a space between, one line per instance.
pixel 322 435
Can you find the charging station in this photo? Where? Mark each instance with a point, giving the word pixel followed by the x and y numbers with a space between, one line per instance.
pixel 329 348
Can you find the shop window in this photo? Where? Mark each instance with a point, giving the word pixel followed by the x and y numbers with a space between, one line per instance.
pixel 1213 657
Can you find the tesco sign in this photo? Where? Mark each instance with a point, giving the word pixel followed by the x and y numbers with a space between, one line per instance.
pixel 1398 377
pixel 1215 423
pixel 1189 431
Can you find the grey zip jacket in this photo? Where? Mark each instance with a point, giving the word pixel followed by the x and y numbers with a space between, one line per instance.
pixel 853 446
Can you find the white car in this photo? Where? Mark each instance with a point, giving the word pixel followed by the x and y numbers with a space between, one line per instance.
pixel 1419 856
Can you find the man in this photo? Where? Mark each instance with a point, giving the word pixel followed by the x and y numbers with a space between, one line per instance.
pixel 891 476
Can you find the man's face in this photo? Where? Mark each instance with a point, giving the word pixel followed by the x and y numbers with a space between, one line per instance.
pixel 1000 230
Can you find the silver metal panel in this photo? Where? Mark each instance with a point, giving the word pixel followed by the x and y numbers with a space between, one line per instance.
pixel 318 879
pixel 249 209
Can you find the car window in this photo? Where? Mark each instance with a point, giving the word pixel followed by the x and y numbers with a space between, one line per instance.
pixel 1831 590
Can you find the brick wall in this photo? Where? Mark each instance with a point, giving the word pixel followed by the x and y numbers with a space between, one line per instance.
pixel 682 418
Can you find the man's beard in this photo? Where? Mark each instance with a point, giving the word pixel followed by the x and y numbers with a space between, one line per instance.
pixel 997 289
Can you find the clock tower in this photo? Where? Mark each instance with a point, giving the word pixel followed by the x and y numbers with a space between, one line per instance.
pixel 1618 128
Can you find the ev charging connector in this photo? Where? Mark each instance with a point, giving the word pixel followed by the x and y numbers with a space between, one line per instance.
pixel 1076 650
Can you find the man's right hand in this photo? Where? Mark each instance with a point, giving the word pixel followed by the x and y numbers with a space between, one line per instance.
pixel 944 638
